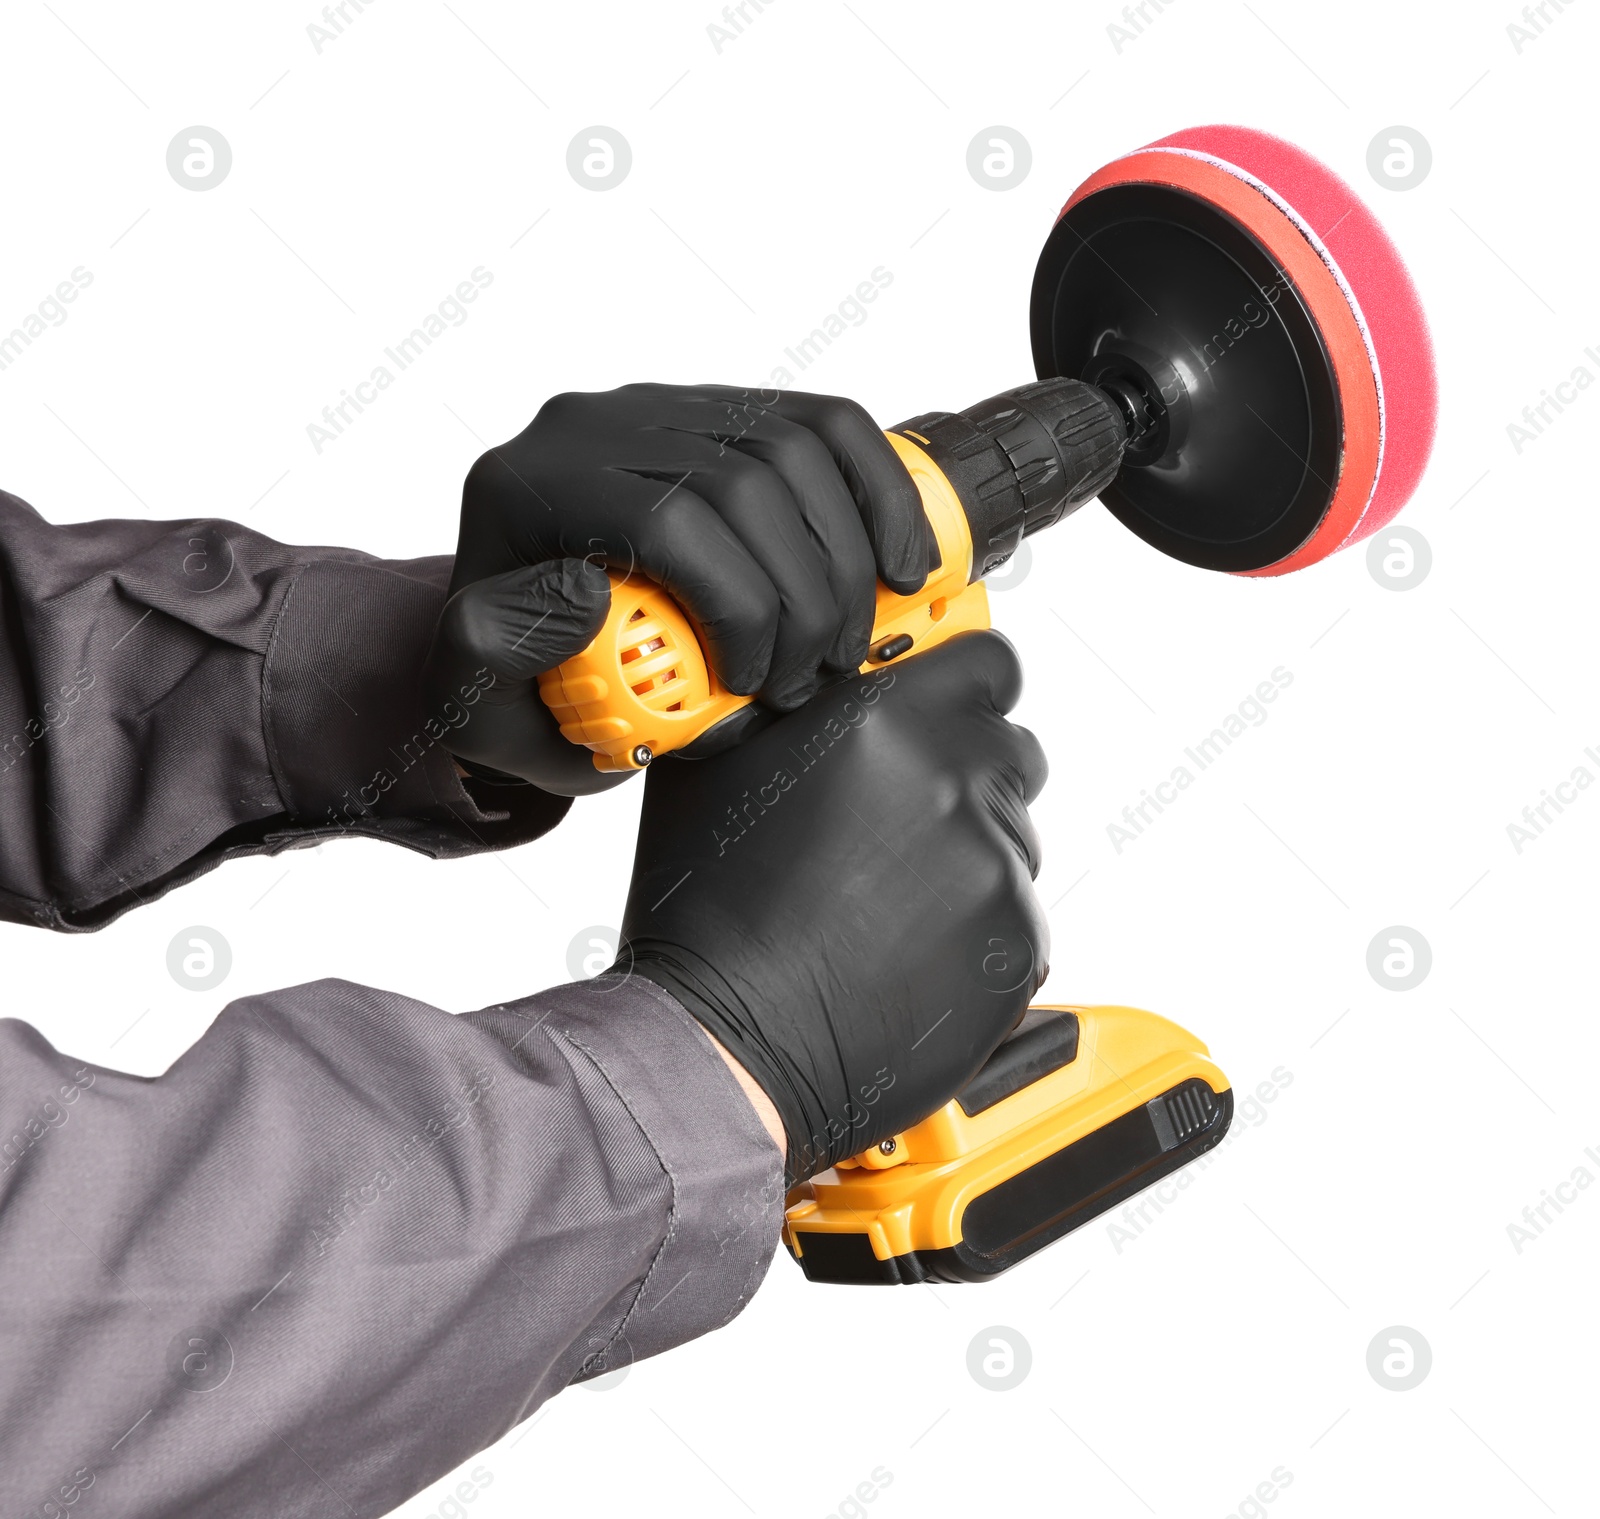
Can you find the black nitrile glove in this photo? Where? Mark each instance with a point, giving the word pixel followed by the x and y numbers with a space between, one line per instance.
pixel 844 899
pixel 767 515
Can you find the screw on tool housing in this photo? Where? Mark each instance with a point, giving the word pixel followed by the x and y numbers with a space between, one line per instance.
pixel 642 756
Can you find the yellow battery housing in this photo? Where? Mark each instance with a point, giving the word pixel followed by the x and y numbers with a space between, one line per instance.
pixel 1080 1108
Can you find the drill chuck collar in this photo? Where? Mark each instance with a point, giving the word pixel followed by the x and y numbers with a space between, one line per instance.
pixel 1026 458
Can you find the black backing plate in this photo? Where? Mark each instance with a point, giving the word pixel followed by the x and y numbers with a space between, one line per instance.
pixel 1151 282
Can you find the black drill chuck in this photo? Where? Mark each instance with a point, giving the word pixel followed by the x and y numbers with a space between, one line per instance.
pixel 1026 458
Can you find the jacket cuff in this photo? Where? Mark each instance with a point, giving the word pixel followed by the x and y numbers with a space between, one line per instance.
pixel 725 1172
pixel 352 748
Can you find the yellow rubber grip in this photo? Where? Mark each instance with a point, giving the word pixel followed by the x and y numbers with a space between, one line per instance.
pixel 644 687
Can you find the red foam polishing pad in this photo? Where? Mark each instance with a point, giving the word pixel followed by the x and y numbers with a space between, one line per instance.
pixel 1351 282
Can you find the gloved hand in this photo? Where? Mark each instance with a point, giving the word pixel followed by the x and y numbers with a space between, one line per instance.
pixel 844 899
pixel 767 515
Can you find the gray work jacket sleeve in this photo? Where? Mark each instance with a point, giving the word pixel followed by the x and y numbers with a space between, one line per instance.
pixel 173 694
pixel 349 1240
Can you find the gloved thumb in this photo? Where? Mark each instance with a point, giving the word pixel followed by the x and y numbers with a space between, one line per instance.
pixel 526 621
pixel 498 635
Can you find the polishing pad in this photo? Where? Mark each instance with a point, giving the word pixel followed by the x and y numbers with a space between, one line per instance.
pixel 1245 290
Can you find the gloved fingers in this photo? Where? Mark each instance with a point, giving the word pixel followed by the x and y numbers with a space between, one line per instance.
pixel 804 464
pixel 1009 810
pixel 503 493
pixel 743 422
pixel 885 498
pixel 753 500
pixel 493 640
pixel 624 500
pixel 888 502
pixel 648 518
pixel 612 477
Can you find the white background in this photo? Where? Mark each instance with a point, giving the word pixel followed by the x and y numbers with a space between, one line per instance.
pixel 1230 1337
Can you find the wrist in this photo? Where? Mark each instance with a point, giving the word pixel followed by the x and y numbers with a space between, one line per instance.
pixel 752 1089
